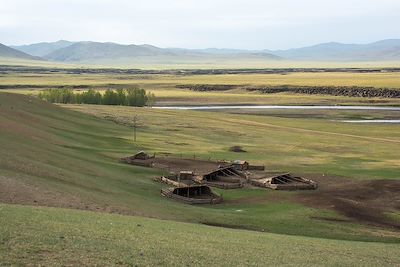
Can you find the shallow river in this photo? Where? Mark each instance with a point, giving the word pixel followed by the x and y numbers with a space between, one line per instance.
pixel 278 107
pixel 372 121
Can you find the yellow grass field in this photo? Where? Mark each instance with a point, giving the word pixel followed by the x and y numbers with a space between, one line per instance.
pixel 164 81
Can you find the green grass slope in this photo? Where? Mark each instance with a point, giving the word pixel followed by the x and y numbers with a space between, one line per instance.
pixel 52 156
pixel 59 237
pixel 303 143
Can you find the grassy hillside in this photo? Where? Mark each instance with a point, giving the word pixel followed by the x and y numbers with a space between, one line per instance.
pixel 55 157
pixel 48 236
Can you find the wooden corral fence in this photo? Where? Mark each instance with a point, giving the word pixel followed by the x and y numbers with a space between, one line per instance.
pixel 285 182
pixel 199 194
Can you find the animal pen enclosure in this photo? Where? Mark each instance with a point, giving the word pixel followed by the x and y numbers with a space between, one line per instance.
pixel 195 194
pixel 190 178
pixel 225 178
pixel 285 181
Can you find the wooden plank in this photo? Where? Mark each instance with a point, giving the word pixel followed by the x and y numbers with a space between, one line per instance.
pixel 277 178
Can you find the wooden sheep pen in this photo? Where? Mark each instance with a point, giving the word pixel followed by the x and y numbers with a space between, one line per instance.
pixel 196 194
pixel 225 178
pixel 285 182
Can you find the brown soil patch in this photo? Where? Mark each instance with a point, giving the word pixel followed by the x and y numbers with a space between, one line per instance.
pixel 237 149
pixel 363 201
pixel 173 164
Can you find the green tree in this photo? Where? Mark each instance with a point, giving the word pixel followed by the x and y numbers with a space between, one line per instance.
pixel 131 97
pixel 121 97
pixel 110 98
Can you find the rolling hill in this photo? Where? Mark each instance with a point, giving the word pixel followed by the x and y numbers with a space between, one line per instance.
pixel 9 52
pixel 42 49
pixel 105 53
pixel 95 51
pixel 82 51
pixel 381 50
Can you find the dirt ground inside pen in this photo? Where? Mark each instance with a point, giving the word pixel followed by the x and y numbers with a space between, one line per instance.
pixel 174 165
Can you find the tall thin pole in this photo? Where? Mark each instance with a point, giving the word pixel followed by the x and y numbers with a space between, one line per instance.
pixel 135 118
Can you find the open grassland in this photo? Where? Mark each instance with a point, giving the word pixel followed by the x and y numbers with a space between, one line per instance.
pixel 163 86
pixel 56 157
pixel 389 79
pixel 165 62
pixel 54 237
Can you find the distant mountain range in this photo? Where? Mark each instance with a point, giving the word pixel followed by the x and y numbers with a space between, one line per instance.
pixel 66 51
pixel 84 51
pixel 42 49
pixel 381 50
pixel 6 51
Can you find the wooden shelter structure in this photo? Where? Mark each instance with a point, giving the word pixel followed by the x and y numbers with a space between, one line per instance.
pixel 241 165
pixel 224 177
pixel 285 181
pixel 173 180
pixel 141 155
pixel 195 194
pixel 186 175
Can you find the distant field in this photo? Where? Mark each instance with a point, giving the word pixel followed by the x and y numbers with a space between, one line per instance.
pixel 163 86
pixel 49 236
pixel 203 63
pixel 165 81
pixel 172 96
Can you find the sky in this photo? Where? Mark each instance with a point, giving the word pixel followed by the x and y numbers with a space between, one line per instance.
pixel 242 24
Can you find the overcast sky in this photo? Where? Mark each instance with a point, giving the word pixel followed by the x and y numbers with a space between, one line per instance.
pixel 249 24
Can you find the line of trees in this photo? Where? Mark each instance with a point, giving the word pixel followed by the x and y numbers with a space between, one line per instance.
pixel 126 97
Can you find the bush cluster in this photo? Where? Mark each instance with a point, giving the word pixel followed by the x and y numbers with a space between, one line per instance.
pixel 126 97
